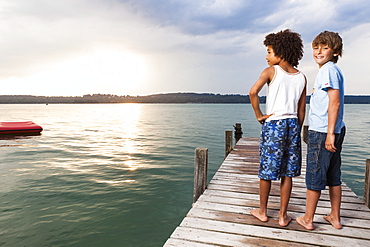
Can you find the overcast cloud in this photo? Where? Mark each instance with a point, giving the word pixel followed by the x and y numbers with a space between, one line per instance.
pixel 76 47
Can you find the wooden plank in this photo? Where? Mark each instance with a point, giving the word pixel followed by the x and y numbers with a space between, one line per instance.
pixel 216 238
pixel 173 242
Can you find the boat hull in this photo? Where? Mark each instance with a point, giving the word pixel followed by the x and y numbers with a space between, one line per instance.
pixel 19 128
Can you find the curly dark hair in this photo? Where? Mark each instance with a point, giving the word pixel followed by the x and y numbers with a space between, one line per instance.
pixel 287 45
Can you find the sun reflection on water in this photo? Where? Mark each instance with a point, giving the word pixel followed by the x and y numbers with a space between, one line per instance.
pixel 116 145
pixel 116 182
pixel 131 164
pixel 129 114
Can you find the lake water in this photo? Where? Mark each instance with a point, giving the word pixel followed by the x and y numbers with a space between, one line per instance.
pixel 122 174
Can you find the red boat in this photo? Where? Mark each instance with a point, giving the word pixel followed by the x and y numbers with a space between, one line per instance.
pixel 19 128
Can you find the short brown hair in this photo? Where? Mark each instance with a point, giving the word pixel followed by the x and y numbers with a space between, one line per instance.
pixel 287 45
pixel 331 39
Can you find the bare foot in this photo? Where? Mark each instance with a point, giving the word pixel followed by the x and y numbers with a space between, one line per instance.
pixel 334 222
pixel 305 223
pixel 256 213
pixel 284 221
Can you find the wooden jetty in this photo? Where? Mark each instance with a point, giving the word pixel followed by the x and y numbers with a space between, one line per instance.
pixel 220 217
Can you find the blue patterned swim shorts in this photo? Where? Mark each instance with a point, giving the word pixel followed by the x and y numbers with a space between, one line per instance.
pixel 280 149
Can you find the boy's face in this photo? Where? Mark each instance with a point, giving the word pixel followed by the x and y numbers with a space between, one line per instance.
pixel 271 58
pixel 322 54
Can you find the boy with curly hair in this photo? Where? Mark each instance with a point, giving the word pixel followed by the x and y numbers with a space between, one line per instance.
pixel 280 140
pixel 326 130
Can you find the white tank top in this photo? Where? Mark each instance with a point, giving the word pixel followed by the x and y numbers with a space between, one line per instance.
pixel 283 94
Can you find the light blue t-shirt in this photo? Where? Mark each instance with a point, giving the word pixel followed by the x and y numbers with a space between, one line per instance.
pixel 329 76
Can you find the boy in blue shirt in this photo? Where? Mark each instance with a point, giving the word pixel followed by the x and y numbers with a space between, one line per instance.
pixel 326 130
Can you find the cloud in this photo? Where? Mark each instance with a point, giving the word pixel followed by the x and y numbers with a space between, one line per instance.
pixel 204 16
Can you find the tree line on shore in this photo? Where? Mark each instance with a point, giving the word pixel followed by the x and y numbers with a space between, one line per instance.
pixel 196 98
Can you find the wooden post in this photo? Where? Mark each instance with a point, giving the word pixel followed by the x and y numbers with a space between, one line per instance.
pixel 305 133
pixel 367 184
pixel 200 172
pixel 228 142
pixel 238 132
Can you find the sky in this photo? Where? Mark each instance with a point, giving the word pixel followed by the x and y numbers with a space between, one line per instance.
pixel 143 47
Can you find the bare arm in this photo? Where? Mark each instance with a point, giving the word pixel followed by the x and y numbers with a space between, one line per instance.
pixel 256 88
pixel 302 105
pixel 333 109
pixel 302 108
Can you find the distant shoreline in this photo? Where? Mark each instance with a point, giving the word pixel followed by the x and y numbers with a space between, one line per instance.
pixel 167 98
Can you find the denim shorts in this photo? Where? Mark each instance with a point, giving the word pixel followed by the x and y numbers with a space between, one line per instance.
pixel 280 149
pixel 323 166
